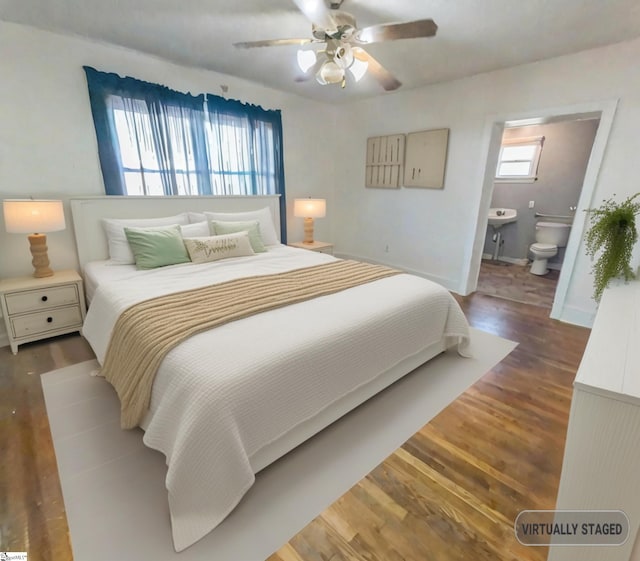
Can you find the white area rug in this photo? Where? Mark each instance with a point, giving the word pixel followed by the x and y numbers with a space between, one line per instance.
pixel 113 486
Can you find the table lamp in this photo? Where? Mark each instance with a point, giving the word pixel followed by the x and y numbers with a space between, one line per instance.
pixel 309 209
pixel 34 217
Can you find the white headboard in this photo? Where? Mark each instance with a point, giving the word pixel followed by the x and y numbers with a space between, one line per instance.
pixel 87 213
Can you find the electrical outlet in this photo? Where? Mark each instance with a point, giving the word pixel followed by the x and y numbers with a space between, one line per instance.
pixel 531 204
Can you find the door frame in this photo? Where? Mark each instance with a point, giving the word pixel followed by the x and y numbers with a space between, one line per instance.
pixel 491 141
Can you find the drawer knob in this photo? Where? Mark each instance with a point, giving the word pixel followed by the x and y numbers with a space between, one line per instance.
pixel 49 319
pixel 45 298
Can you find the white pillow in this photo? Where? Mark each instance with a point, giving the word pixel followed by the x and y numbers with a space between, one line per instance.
pixel 119 250
pixel 196 230
pixel 196 217
pixel 212 248
pixel 263 216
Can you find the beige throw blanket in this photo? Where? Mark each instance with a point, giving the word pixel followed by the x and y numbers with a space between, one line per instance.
pixel 146 332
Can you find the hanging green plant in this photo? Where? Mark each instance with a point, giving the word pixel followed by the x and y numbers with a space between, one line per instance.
pixel 613 234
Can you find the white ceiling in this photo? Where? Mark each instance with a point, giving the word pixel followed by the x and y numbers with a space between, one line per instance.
pixel 473 36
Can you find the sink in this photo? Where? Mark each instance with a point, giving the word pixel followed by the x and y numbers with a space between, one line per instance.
pixel 501 216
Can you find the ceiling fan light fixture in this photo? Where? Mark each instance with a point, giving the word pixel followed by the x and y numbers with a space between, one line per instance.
pixel 343 41
pixel 358 69
pixel 306 59
pixel 330 73
pixel 343 56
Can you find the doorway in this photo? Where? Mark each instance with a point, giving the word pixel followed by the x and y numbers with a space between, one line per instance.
pixel 543 168
pixel 604 111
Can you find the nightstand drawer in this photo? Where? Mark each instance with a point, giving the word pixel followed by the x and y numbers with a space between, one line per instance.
pixel 34 300
pixel 328 250
pixel 41 322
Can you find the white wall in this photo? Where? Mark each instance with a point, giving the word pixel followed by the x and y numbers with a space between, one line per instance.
pixel 432 231
pixel 47 139
pixel 48 146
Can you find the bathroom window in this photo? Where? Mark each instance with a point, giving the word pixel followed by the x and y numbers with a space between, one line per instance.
pixel 518 160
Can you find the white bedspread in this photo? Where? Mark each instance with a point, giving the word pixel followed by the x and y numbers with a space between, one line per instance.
pixel 222 395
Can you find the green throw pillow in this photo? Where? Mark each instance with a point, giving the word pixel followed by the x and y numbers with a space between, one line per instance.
pixel 157 247
pixel 219 228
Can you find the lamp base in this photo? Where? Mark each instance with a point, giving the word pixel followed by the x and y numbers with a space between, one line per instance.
pixel 308 230
pixel 40 261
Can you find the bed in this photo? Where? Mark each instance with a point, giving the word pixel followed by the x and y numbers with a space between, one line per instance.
pixel 229 401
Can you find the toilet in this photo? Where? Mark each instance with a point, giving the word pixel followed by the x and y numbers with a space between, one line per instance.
pixel 549 237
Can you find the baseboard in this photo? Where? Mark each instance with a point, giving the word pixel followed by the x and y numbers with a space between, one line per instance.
pixel 576 316
pixel 513 260
pixel 449 284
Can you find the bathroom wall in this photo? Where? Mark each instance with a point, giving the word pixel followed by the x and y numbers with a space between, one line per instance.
pixel 563 162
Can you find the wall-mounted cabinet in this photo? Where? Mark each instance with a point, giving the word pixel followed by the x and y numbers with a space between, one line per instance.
pixel 385 156
pixel 426 158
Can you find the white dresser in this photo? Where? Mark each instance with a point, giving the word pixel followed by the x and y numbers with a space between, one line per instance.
pixel 601 467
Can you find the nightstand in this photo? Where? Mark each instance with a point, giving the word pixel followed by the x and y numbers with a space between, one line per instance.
pixel 320 247
pixel 35 309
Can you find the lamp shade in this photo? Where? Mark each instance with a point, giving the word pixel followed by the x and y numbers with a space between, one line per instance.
pixel 310 208
pixel 330 73
pixel 358 68
pixel 30 216
pixel 306 59
pixel 344 56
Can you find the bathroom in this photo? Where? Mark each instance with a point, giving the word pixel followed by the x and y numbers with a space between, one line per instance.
pixel 559 153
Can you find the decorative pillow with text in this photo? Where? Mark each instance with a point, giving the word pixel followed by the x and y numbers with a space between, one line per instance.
pixel 213 248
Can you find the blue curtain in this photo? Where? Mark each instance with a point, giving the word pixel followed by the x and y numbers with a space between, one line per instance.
pixel 246 150
pixel 152 117
pixel 154 140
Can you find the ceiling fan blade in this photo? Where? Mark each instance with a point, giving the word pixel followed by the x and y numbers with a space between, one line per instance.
pixel 272 43
pixel 316 11
pixel 393 31
pixel 387 80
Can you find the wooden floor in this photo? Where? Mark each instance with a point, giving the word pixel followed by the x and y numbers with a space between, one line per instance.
pixel 515 282
pixel 451 492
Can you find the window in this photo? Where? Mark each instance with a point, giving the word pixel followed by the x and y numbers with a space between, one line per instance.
pixel 245 152
pixel 156 141
pixel 518 159
pixel 141 168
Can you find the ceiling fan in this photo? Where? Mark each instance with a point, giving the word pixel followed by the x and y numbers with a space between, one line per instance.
pixel 343 43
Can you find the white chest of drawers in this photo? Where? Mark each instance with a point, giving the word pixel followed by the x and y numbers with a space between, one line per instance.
pixel 601 464
pixel 35 309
